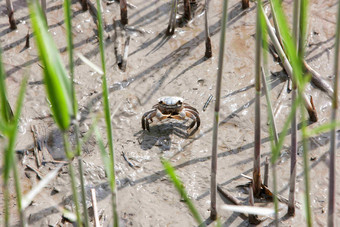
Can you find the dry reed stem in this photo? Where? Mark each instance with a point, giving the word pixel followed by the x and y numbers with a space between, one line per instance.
pixel 318 81
pixel 123 64
pixel 123 12
pixel 208 51
pixel 257 128
pixel 27 44
pixel 213 186
pixel 333 144
pixel 187 10
pixel 84 5
pixel 245 4
pixel 10 13
pixel 172 21
pixel 311 112
pixel 293 152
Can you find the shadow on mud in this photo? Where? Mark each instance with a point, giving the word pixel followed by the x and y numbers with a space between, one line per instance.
pixel 160 135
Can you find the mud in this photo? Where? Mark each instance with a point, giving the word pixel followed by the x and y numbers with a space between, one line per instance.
pixel 164 66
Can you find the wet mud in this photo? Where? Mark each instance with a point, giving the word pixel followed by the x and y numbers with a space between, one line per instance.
pixel 158 66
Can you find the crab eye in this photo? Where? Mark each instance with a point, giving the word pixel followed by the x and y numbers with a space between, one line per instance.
pixel 160 102
pixel 179 102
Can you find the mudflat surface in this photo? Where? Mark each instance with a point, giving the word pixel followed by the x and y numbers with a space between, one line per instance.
pixel 166 66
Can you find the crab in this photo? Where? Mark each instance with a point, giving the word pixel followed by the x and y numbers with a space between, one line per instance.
pixel 171 107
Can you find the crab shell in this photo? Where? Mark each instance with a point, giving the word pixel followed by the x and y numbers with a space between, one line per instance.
pixel 171 107
pixel 170 100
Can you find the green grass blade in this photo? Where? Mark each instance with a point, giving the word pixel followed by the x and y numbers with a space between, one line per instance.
pixel 68 23
pixel 9 159
pixel 57 83
pixel 322 128
pixel 179 186
pixel 5 109
pixel 107 115
pixel 12 132
pixel 277 148
pixel 289 44
pixel 106 159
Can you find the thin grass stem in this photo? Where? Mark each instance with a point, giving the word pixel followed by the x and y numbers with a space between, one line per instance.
pixel 68 22
pixel 293 149
pixel 19 195
pixel 69 156
pixel 333 142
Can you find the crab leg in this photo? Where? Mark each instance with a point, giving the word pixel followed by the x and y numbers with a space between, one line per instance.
pixel 144 120
pixel 149 117
pixel 187 106
pixel 193 115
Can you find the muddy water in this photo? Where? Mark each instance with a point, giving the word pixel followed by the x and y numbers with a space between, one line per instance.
pixel 161 66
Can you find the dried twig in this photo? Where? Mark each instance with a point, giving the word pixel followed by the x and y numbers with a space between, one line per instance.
pixel 281 96
pixel 123 12
pixel 207 102
pixel 95 208
pixel 270 194
pixel 55 162
pixel 35 170
pixel 37 145
pixel 253 219
pixel 123 64
pixel 229 196
pixel 266 172
pixel 125 158
pixel 118 41
pixel 318 81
